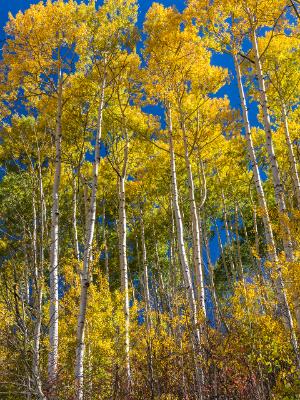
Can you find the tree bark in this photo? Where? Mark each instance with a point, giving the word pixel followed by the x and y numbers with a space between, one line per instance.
pixel 292 158
pixel 74 220
pixel 53 325
pixel 105 244
pixel 197 253
pixel 182 252
pixel 124 276
pixel 278 187
pixel 122 232
pixel 89 236
pixel 38 295
pixel 147 306
pixel 272 254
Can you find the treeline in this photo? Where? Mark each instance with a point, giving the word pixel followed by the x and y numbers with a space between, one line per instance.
pixel 149 236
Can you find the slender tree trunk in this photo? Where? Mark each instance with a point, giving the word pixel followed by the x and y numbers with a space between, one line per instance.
pixel 122 232
pixel 292 158
pixel 252 156
pixel 37 307
pixel 296 187
pixel 182 252
pixel 89 236
pixel 179 226
pixel 53 325
pixel 105 243
pixel 74 220
pixel 148 306
pixel 280 287
pixel 145 272
pixel 124 276
pixel 278 187
pixel 197 256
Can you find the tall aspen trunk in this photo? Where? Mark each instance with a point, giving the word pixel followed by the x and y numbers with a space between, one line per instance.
pixel 124 276
pixel 278 187
pixel 74 220
pixel 106 266
pixel 182 252
pixel 122 233
pixel 173 270
pixel 37 307
pixel 197 256
pixel 292 158
pixel 87 255
pixel 148 306
pixel 179 226
pixel 272 254
pixel 296 187
pixel 145 272
pixel 53 324
pixel 252 156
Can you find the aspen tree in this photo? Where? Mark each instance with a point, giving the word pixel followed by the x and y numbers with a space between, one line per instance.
pixel 281 62
pixel 36 60
pixel 110 21
pixel 158 69
pixel 231 41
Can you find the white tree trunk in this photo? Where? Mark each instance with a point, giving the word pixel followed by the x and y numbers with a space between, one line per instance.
pixel 257 179
pixel 53 324
pixel 124 275
pixel 292 158
pixel 145 272
pixel 278 187
pixel 280 287
pixel 197 253
pixel 74 220
pixel 148 306
pixel 296 187
pixel 105 244
pixel 122 233
pixel 89 236
pixel 182 253
pixel 37 307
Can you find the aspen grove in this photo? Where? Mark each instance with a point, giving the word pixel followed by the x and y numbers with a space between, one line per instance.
pixel 150 201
